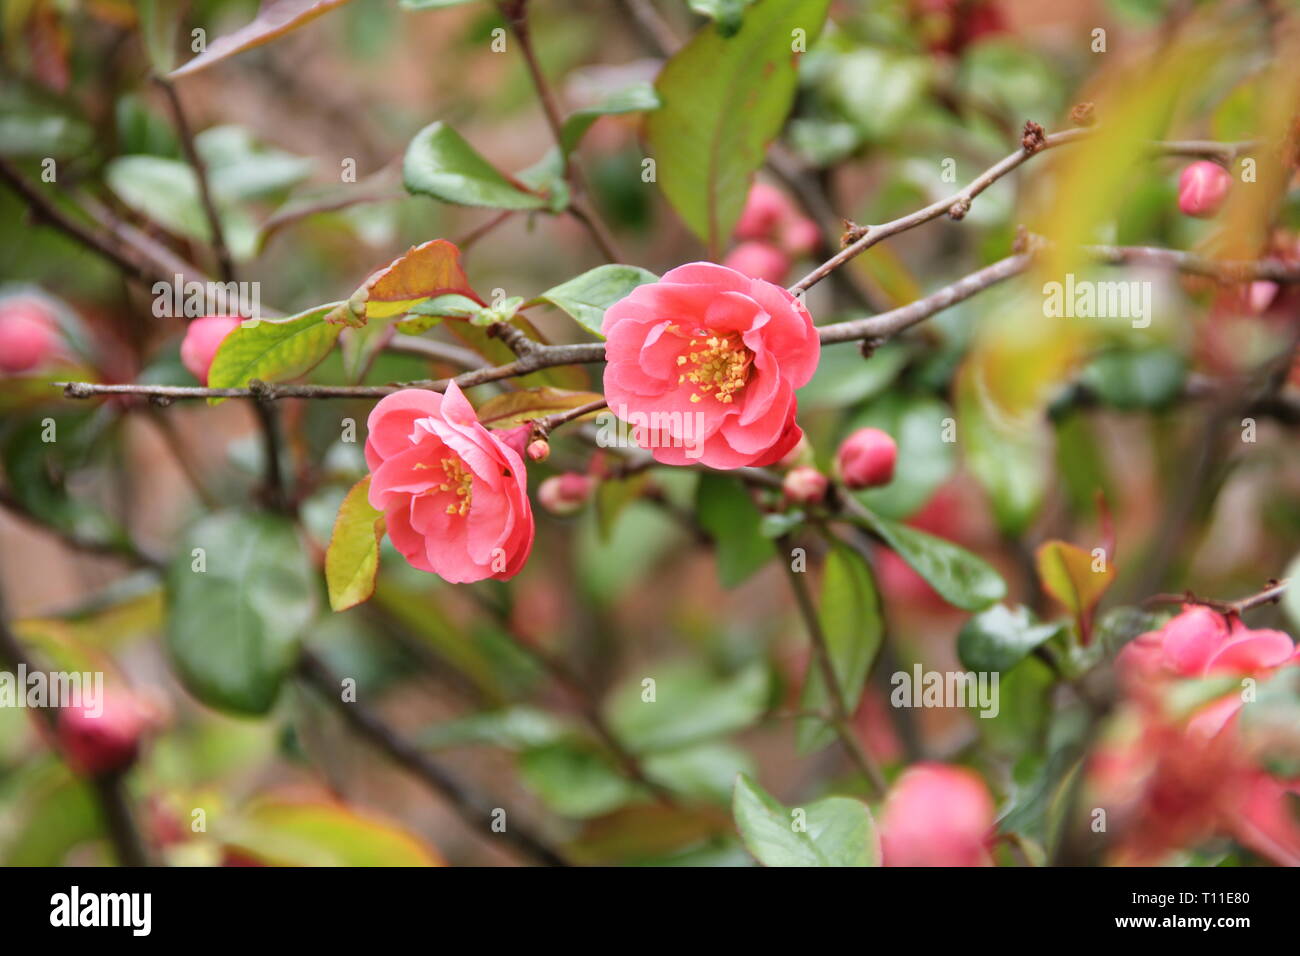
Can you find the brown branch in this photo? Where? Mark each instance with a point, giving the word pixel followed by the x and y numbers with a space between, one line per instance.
pixel 225 263
pixel 477 811
pixel 1271 594
pixel 822 655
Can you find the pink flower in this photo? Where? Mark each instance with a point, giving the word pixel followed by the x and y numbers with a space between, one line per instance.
pixel 1200 642
pixel 454 496
pixel 1202 187
pixel 202 339
pixel 565 494
pixel 765 209
pixel 936 815
pixel 29 336
pixel 703 365
pixel 804 484
pixel 758 260
pixel 866 458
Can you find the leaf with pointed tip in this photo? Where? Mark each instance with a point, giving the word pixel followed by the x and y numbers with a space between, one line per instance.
pixel 634 99
pixel 586 297
pixel 1067 573
pixel 352 558
pixel 274 18
pixel 273 350
pixel 960 578
pixel 440 163
pixel 724 100
pixel 836 831
pixel 1000 638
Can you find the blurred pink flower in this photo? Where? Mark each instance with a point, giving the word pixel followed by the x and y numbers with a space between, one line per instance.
pixel 1202 187
pixel 766 208
pixel 758 260
pixel 454 496
pixel 202 339
pixel 704 363
pixel 103 742
pixel 29 335
pixel 937 815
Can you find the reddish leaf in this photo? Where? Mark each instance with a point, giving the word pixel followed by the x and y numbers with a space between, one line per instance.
pixel 274 18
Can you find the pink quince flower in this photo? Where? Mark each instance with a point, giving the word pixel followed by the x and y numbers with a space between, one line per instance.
pixel 202 339
pixel 766 208
pixel 1200 642
pixel 758 260
pixel 937 815
pixel 703 365
pixel 454 495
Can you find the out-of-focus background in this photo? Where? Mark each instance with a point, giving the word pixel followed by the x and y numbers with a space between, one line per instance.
pixel 628 588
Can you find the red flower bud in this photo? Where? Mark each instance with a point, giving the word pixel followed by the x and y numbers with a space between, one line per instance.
pixel 539 450
pixel 1202 188
pixel 28 335
pixel 202 339
pixel 565 494
pixel 101 742
pixel 866 459
pixel 805 485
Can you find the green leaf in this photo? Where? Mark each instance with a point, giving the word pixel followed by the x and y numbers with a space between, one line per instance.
pixel 586 297
pixel 284 833
pixel 515 728
pixel 736 526
pixel 1000 638
pixel 852 624
pixel 352 558
pixel 159 20
pixel 274 17
pixel 440 163
pixel 836 831
pixel 690 705
pixel 727 14
pixel 700 772
pixel 634 99
pixel 724 101
pixel 1291 597
pixel 233 628
pixel 844 378
pixel 1136 378
pixel 575 780
pixel 273 350
pixel 959 577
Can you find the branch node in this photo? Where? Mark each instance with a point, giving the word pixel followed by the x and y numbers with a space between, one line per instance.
pixel 852 232
pixel 958 210
pixel 1034 138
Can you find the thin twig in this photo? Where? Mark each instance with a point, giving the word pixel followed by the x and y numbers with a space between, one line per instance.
pixel 478 812
pixel 225 263
pixel 822 655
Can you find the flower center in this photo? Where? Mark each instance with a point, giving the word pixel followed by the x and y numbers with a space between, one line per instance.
pixel 717 365
pixel 458 481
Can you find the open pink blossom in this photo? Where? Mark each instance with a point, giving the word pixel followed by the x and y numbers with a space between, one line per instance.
pixel 454 495
pixel 937 815
pixel 703 365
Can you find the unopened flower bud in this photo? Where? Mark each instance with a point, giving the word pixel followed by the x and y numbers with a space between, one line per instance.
pixel 1202 188
pixel 28 335
pixel 565 494
pixel 202 339
pixel 866 459
pixel 759 260
pixel 805 485
pixel 539 450
pixel 98 740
